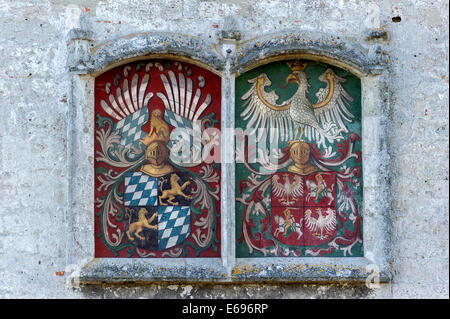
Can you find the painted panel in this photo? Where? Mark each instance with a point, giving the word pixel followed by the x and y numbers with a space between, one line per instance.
pixel 298 170
pixel 157 164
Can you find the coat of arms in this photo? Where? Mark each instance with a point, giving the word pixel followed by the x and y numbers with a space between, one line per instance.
pixel 301 195
pixel 151 202
pixel 304 208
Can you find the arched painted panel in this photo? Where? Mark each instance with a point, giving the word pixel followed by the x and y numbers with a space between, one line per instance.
pixel 157 169
pixel 299 167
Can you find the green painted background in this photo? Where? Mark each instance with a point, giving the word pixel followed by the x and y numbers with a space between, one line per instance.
pixel 277 73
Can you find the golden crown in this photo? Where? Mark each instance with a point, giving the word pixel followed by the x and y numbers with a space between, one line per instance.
pixel 297 65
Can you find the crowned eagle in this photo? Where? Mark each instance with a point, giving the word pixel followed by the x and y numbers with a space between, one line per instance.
pixel 325 120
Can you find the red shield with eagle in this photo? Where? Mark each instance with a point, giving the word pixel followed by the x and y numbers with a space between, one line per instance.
pixel 304 208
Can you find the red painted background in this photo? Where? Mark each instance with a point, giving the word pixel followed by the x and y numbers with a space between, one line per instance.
pixel 212 86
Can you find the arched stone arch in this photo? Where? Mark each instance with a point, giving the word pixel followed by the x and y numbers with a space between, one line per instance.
pixel 336 50
pixel 104 56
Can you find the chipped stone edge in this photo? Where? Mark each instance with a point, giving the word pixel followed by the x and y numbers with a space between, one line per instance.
pixel 309 269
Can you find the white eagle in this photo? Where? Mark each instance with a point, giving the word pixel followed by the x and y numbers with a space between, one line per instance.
pixel 322 223
pixel 323 120
pixel 288 189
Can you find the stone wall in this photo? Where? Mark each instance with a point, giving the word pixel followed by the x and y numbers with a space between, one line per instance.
pixel 37 140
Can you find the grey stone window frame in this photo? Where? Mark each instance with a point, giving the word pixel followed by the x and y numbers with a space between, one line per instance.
pixel 223 56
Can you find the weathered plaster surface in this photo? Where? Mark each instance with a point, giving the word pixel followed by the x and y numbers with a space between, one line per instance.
pixel 42 196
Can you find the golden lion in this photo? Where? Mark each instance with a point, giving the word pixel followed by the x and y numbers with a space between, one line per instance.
pixel 138 226
pixel 175 189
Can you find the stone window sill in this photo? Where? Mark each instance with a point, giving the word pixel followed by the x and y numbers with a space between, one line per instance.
pixel 303 270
